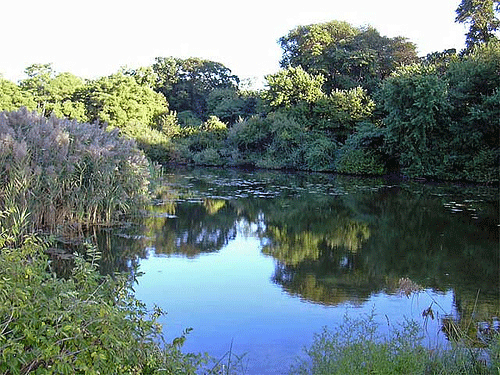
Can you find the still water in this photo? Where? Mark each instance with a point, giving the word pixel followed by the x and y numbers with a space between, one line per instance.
pixel 257 262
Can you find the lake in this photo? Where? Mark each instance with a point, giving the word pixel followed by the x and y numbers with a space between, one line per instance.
pixel 257 262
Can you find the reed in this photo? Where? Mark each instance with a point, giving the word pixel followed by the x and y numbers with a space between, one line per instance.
pixel 65 172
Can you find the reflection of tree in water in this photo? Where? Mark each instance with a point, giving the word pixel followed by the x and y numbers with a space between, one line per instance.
pixel 317 243
pixel 475 321
pixel 338 238
pixel 362 243
pixel 201 227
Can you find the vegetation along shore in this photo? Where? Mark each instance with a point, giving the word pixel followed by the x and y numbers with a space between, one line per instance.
pixel 76 153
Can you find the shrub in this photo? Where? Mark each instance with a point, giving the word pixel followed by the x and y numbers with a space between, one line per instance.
pixel 358 161
pixel 208 156
pixel 356 347
pixel 156 144
pixel 319 153
pixel 65 172
pixel 85 324
pixel 251 135
pixel 287 139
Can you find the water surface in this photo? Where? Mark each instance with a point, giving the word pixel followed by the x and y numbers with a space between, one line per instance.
pixel 260 261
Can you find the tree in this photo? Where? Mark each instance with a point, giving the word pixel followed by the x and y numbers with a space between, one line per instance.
pixel 415 98
pixel 119 101
pixel 12 97
pixel 54 94
pixel 482 16
pixel 187 83
pixel 346 56
pixel 293 85
pixel 39 77
pixel 226 104
pixel 63 97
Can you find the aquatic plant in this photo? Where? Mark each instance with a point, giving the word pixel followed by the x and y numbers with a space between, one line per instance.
pixel 65 172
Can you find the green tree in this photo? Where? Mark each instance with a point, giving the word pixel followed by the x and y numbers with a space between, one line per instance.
pixel 293 85
pixel 12 97
pixel 482 17
pixel 64 97
pixel 187 83
pixel 346 56
pixel 415 98
pixel 226 104
pixel 55 94
pixel 474 93
pixel 337 113
pixel 39 77
pixel 120 100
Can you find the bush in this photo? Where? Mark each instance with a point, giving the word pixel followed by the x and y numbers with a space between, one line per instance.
pixel 359 161
pixel 355 347
pixel 251 135
pixel 65 172
pixel 156 145
pixel 319 153
pixel 85 324
pixel 208 156
pixel 361 154
pixel 287 139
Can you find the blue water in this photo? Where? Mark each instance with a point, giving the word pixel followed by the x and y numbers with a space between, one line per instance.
pixel 229 300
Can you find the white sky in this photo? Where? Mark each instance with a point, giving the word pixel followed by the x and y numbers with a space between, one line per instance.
pixel 93 38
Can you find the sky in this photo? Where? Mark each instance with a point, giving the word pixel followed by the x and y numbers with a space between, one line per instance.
pixel 95 38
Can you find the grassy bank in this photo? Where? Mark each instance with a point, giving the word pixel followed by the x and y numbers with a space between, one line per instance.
pixel 357 347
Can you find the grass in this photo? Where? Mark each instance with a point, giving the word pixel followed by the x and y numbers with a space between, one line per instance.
pixel 63 172
pixel 357 347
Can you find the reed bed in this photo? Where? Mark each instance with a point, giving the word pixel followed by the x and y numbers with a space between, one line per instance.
pixel 67 173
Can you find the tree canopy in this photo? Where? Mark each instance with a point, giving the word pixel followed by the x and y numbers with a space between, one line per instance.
pixel 186 83
pixel 482 18
pixel 345 55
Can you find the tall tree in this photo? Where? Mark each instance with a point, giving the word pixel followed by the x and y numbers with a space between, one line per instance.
pixel 119 101
pixel 482 17
pixel 187 83
pixel 37 83
pixel 345 55
pixel 54 94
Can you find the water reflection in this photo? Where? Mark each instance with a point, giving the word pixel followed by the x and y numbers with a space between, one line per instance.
pixel 334 239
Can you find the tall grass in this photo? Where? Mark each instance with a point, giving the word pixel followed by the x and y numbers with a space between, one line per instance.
pixel 357 347
pixel 65 172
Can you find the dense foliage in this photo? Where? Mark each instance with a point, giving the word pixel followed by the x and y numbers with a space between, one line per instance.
pixel 346 56
pixel 482 17
pixel 84 324
pixel 446 125
pixel 347 100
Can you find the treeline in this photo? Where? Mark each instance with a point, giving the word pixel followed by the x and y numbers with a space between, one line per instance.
pixel 347 100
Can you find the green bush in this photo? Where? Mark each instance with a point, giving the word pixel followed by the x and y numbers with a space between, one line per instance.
pixel 65 172
pixel 287 139
pixel 251 135
pixel 359 161
pixel 356 347
pixel 319 153
pixel 85 324
pixel 361 153
pixel 208 156
pixel 156 144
